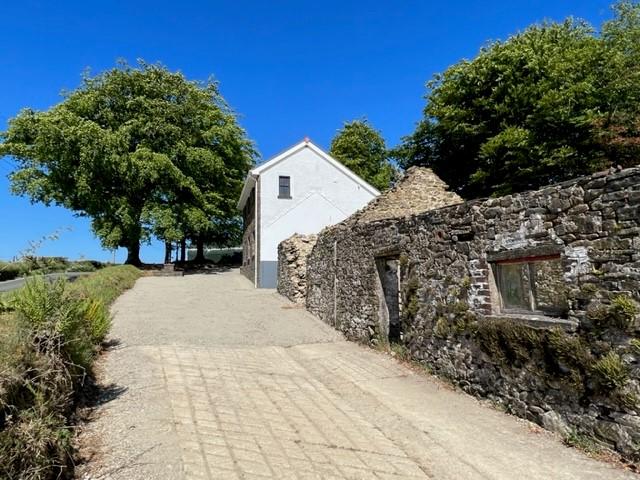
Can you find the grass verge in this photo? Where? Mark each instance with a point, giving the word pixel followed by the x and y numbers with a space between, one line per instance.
pixel 50 334
pixel 31 265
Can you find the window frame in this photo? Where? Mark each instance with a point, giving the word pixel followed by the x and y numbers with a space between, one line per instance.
pixel 288 186
pixel 531 291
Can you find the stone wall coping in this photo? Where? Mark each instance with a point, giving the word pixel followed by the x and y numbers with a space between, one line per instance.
pixel 432 215
pixel 536 320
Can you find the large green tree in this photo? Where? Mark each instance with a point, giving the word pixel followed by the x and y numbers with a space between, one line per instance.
pixel 361 148
pixel 140 150
pixel 553 102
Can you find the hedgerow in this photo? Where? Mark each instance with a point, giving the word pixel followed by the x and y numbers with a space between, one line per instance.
pixel 50 334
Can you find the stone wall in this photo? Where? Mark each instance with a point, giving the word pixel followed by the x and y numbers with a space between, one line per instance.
pixel 292 266
pixel 575 370
pixel 248 267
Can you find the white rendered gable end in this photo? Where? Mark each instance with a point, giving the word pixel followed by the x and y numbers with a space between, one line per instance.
pixel 254 174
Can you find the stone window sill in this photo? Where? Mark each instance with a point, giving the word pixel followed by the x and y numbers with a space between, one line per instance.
pixel 285 198
pixel 536 320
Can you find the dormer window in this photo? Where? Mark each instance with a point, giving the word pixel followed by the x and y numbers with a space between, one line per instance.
pixel 284 187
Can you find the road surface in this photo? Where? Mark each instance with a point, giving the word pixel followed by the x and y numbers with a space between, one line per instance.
pixel 212 379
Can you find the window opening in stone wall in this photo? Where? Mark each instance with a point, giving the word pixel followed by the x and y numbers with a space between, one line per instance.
pixel 388 271
pixel 532 285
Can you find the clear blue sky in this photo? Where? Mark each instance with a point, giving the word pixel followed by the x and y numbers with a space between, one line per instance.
pixel 289 68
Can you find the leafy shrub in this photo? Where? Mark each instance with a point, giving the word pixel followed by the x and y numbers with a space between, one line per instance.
pixel 83 266
pixel 51 264
pixel 11 270
pixel 39 301
pixel 50 312
pixel 98 319
pixel 33 264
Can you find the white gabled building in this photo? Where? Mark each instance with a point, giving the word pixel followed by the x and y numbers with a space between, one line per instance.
pixel 301 190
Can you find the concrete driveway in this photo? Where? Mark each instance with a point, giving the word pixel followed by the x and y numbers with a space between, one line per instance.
pixel 215 380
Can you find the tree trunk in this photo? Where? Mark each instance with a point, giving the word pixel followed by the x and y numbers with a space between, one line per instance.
pixel 183 250
pixel 132 237
pixel 199 250
pixel 133 254
pixel 167 252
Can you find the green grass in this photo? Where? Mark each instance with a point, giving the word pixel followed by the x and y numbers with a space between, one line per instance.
pixel 107 284
pixel 50 334
pixel 583 442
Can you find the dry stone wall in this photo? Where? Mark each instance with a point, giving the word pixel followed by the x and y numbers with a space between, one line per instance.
pixel 292 266
pixel 575 246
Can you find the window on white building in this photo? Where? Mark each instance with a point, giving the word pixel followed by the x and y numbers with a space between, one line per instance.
pixel 284 187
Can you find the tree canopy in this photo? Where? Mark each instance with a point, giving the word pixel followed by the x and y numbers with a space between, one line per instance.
pixel 362 149
pixel 555 101
pixel 140 150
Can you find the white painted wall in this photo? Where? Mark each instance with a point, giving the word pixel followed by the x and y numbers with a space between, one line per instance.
pixel 321 195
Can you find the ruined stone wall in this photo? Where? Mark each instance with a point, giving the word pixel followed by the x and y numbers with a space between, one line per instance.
pixel 574 371
pixel 292 266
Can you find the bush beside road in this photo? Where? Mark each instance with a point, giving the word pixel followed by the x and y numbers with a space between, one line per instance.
pixel 50 334
pixel 32 265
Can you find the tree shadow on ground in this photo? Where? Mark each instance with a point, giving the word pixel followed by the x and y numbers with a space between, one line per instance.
pixel 207 269
pixel 97 395
pixel 191 268
pixel 93 394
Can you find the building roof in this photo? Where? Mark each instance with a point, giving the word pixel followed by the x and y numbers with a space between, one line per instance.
pixel 417 191
pixel 253 174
